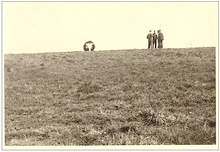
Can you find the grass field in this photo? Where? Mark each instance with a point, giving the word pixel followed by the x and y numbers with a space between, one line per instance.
pixel 125 97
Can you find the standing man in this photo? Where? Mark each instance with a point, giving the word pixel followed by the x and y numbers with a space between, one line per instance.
pixel 149 36
pixel 160 39
pixel 155 39
pixel 152 42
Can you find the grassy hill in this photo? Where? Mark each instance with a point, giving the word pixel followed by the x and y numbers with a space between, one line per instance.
pixel 127 97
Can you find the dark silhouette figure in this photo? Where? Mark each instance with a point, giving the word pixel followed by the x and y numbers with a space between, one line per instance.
pixel 149 36
pixel 160 39
pixel 155 39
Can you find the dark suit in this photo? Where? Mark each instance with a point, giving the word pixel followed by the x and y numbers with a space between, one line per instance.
pixel 149 40
pixel 160 40
pixel 155 40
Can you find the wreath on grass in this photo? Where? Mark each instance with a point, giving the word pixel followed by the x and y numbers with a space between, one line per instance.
pixel 86 46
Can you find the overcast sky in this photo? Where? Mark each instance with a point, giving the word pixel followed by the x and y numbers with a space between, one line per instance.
pixel 30 27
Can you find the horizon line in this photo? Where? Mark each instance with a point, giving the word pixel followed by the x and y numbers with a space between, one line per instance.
pixel 108 50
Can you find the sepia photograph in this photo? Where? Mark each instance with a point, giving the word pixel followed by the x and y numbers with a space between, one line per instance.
pixel 110 75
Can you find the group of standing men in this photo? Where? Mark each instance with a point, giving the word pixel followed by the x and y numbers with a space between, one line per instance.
pixel 153 38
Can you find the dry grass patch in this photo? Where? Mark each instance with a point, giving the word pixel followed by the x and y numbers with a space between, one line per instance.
pixel 128 97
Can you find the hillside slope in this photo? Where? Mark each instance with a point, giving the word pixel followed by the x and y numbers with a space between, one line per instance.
pixel 128 97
